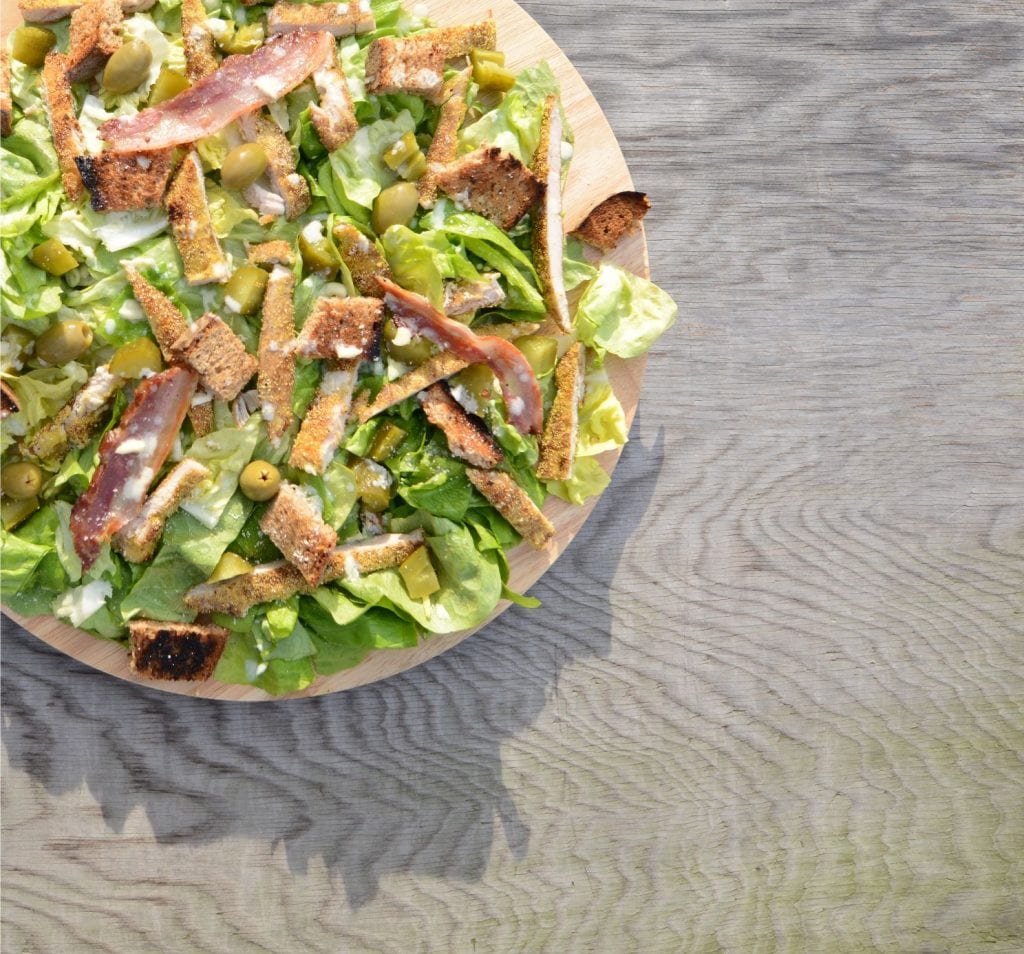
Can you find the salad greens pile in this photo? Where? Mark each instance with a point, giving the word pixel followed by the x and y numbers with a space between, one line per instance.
pixel 282 646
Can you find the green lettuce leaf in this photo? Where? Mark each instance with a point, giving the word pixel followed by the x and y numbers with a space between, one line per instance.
pixel 31 179
pixel 343 645
pixel 43 392
pixel 359 172
pixel 576 268
pixel 602 421
pixel 225 452
pixel 588 479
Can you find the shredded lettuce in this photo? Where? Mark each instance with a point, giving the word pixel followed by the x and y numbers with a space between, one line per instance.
pixel 359 172
pixel 225 452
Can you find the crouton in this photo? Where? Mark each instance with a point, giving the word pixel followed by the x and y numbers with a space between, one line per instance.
pixel 342 328
pixel 558 443
pixel 323 425
pixel 123 181
pixel 460 298
pixel 67 134
pixel 612 220
pixel 136 541
pixel 200 60
pixel 47 11
pixel 8 400
pixel 491 182
pixel 466 435
pixel 295 527
pixel 6 102
pixel 94 37
pixel 444 146
pixel 437 368
pixel 177 651
pixel 268 254
pixel 217 355
pixel 191 226
pixel 168 325
pixel 334 118
pixel 333 18
pixel 363 259
pixel 280 580
pixel 548 229
pixel 514 504
pixel 291 187
pixel 276 379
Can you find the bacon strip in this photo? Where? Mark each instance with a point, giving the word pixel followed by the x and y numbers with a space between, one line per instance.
pixel 130 455
pixel 241 85
pixel 519 385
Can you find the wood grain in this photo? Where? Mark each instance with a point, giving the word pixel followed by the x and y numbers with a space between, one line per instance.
pixel 774 699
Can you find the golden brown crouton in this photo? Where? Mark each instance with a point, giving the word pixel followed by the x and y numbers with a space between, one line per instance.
pixel 363 259
pixel 333 18
pixel 342 328
pixel 67 134
pixel 466 435
pixel 197 40
pixel 514 504
pixel 122 181
pixel 6 102
pixel 611 221
pixel 460 298
pixel 47 11
pixel 437 368
pixel 445 144
pixel 95 36
pixel 191 226
pixel 8 400
pixel 217 355
pixel 276 379
pixel 286 181
pixel 323 425
pixel 558 445
pixel 334 118
pixel 491 182
pixel 295 527
pixel 548 229
pixel 178 651
pixel 267 254
pixel 136 541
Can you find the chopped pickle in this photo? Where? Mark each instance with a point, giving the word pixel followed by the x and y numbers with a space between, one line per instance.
pixel 52 257
pixel 318 256
pixel 479 380
pixel 414 351
pixel 21 480
pixel 134 358
pixel 493 78
pixel 386 442
pixel 247 38
pixel 415 168
pixel 418 574
pixel 541 351
pixel 14 510
pixel 400 151
pixel 373 485
pixel 30 44
pixel 244 291
pixel 229 565
pixel 478 56
pixel 168 84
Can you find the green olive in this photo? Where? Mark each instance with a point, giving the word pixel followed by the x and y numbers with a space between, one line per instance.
pixel 540 351
pixel 63 342
pixel 491 77
pixel 414 351
pixel 229 565
pixel 128 68
pixel 242 39
pixel 260 480
pixel 14 511
pixel 21 480
pixel 243 166
pixel 135 357
pixel 30 45
pixel 396 205
pixel 51 256
pixel 168 84
pixel 245 289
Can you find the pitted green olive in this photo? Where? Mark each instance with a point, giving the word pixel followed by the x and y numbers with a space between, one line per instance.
pixel 396 205
pixel 260 480
pixel 63 342
pixel 128 67
pixel 21 480
pixel 243 166
pixel 30 44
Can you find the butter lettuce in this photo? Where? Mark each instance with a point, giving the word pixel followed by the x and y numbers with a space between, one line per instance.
pixel 31 179
pixel 225 452
pixel 588 479
pixel 359 172
pixel 421 261
pixel 42 393
pixel 602 421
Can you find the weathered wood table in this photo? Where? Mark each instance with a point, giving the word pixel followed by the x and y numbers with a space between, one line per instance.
pixel 775 697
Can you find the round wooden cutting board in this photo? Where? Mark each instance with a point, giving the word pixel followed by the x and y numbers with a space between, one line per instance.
pixel 598 170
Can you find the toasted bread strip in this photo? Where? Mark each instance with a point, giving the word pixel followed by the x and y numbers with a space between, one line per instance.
pixel 491 182
pixel 280 580
pixel 168 326
pixel 460 298
pixel 122 181
pixel 548 229
pixel 67 134
pixel 6 102
pixel 333 18
pixel 217 355
pixel 466 435
pixel 47 11
pixel 200 60
pixel 323 425
pixel 612 220
pixel 191 226
pixel 296 528
pixel 95 36
pixel 558 444
pixel 341 328
pixel 363 259
pixel 277 252
pixel 514 504
pixel 444 146
pixel 178 651
pixel 334 119
pixel 136 541
pixel 437 368
pixel 286 181
pixel 276 379
pixel 8 400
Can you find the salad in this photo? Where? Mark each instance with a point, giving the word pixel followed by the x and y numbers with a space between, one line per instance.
pixel 288 360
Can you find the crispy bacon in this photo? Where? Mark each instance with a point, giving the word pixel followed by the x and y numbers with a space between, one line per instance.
pixel 241 85
pixel 519 385
pixel 130 455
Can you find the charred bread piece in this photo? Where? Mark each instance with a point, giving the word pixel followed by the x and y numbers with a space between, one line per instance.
pixel 178 651
pixel 467 437
pixel 491 182
pixel 610 222
pixel 363 259
pixel 514 504
pixel 94 37
pixel 343 328
pixel 558 443
pixel 295 527
pixel 444 147
pixel 217 355
pixel 191 226
pixel 124 181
